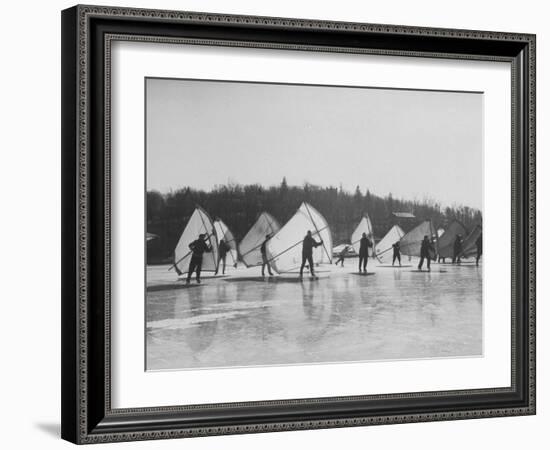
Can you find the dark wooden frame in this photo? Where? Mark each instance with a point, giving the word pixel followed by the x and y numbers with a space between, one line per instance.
pixel 87 31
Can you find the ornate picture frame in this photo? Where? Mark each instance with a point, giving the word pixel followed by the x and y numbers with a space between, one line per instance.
pixel 87 35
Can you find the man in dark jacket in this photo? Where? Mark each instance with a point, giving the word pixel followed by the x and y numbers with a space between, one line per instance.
pixel 426 247
pixel 457 249
pixel 223 249
pixel 265 260
pixel 479 248
pixel 307 253
pixel 364 245
pixel 198 248
pixel 396 253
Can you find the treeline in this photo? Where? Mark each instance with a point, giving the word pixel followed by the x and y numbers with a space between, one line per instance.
pixel 239 206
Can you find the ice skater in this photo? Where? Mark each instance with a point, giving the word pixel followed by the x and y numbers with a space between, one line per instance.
pixel 425 248
pixel 265 259
pixel 457 249
pixel 396 253
pixel 307 253
pixel 198 247
pixel 342 255
pixel 364 245
pixel 479 248
pixel 223 249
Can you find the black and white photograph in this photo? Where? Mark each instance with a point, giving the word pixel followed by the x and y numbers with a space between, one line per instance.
pixel 280 219
pixel 292 224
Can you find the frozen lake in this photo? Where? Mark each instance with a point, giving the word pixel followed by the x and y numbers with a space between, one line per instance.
pixel 243 320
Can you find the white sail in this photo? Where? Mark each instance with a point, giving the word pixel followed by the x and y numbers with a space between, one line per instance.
pixel 249 247
pixel 223 232
pixel 199 223
pixel 365 226
pixel 384 248
pixel 447 239
pixel 285 248
pixel 411 242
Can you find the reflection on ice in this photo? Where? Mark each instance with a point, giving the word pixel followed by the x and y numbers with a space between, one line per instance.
pixel 243 320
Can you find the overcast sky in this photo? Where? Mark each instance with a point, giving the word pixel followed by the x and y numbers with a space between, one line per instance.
pixel 414 144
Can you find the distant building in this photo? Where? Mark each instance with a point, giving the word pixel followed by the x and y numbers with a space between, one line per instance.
pixel 405 220
pixel 403 215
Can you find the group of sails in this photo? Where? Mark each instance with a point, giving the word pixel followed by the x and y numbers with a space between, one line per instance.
pixel 424 242
pixel 306 241
pixel 207 245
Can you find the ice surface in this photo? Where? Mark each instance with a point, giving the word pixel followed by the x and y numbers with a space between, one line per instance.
pixel 244 320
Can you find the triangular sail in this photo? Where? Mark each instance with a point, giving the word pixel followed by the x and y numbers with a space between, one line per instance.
pixel 223 232
pixel 447 239
pixel 199 223
pixel 384 248
pixel 411 242
pixel 249 247
pixel 365 226
pixel 285 248
pixel 469 248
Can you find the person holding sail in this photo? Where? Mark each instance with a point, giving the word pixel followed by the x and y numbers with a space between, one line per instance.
pixel 396 253
pixel 307 253
pixel 426 247
pixel 457 249
pixel 265 259
pixel 223 249
pixel 198 248
pixel 479 248
pixel 342 255
pixel 364 245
